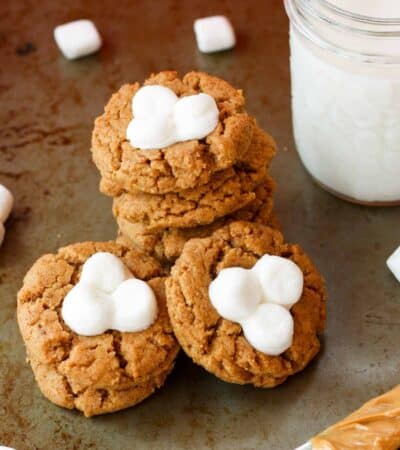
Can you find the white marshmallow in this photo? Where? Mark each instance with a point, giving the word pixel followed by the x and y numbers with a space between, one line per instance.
pixel 235 293
pixel 152 132
pixel 6 205
pixel 195 116
pixel 281 280
pixel 393 263
pixel 105 272
pixel 87 310
pixel 161 119
pixel 153 100
pixel 77 39
pixel 106 297
pixel 214 34
pixel 269 329
pixel 134 313
pixel 260 299
pixel 5 448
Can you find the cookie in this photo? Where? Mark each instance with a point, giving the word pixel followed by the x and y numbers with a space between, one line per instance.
pixel 180 166
pixel 94 374
pixel 218 344
pixel 227 191
pixel 167 244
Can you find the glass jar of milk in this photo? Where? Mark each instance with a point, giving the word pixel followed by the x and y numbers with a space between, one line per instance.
pixel 345 69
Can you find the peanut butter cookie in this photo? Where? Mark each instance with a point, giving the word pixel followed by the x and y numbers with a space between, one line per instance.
pixel 227 191
pixel 94 374
pixel 180 166
pixel 218 344
pixel 167 244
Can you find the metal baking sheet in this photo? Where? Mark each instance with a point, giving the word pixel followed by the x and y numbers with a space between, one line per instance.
pixel 47 109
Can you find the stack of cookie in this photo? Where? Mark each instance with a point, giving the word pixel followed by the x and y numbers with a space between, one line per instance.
pixel 104 322
pixel 164 197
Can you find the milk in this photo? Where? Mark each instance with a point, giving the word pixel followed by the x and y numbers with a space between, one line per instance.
pixel 346 115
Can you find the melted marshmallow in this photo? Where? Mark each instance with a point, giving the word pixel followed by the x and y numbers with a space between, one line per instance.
pixel 195 116
pixel 108 297
pixel 235 293
pixel 281 280
pixel 270 329
pixel 161 119
pixel 260 299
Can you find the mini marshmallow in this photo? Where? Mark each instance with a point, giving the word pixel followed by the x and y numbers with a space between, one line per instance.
pixel 87 310
pixel 153 101
pixel 393 263
pixel 105 271
pixel 77 39
pixel 161 119
pixel 281 280
pixel 235 294
pixel 214 34
pixel 152 132
pixel 145 306
pixel 195 116
pixel 260 299
pixel 270 329
pixel 6 205
pixel 108 297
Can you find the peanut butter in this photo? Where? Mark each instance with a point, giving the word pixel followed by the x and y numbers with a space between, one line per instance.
pixel 375 426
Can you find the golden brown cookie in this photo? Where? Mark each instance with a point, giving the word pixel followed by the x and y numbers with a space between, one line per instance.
pixel 98 374
pixel 227 191
pixel 180 166
pixel 218 344
pixel 167 244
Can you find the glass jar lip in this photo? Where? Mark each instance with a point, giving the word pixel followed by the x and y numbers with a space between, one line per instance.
pixel 300 12
pixel 360 17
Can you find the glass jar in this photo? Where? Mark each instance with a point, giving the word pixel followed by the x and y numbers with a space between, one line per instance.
pixel 345 71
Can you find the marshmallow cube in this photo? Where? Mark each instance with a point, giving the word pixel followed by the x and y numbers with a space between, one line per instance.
pixel 214 34
pixel 393 263
pixel 77 39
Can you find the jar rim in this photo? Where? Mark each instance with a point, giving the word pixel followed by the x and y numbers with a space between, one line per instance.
pixel 303 13
pixel 362 18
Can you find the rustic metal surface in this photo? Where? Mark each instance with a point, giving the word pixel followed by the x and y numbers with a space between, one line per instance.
pixel 47 108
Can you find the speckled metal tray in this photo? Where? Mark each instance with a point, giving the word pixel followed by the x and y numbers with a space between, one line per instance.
pixel 47 109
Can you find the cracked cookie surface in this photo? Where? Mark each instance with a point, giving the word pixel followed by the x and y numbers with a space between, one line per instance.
pixel 227 191
pixel 180 166
pixel 218 344
pixel 97 374
pixel 167 244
